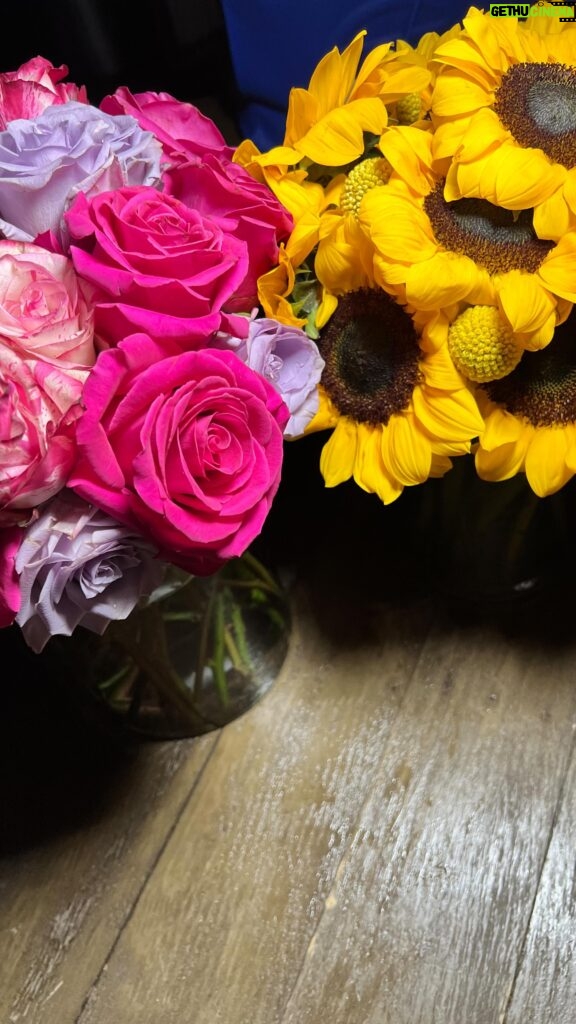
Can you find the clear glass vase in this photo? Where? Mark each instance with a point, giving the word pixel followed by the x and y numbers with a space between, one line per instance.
pixel 199 654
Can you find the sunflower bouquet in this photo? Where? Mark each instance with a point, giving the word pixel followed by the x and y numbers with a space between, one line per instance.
pixel 433 253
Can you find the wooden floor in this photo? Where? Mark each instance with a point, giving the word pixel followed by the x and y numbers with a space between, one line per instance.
pixel 387 838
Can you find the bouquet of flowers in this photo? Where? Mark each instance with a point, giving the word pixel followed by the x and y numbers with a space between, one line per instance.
pixel 144 399
pixel 433 253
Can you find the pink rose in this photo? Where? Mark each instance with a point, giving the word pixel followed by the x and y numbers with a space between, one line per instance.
pixel 185 133
pixel 230 197
pixel 43 311
pixel 154 264
pixel 25 93
pixel 10 540
pixel 185 447
pixel 38 405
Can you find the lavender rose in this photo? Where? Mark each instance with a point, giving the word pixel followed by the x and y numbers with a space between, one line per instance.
pixel 45 162
pixel 77 566
pixel 290 360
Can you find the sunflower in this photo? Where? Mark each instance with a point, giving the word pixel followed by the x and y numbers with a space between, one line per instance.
pixel 397 412
pixel 431 252
pixel 530 417
pixel 504 114
pixel 331 127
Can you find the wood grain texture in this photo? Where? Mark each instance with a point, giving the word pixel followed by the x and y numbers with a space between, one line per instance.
pixel 387 838
pixel 65 892
pixel 241 887
pixel 433 898
pixel 545 988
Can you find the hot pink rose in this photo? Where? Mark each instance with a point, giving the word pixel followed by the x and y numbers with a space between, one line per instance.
pixel 43 311
pixel 185 133
pixel 38 405
pixel 185 447
pixel 10 540
pixel 25 93
pixel 231 198
pixel 154 264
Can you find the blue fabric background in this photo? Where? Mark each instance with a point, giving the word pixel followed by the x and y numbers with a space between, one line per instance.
pixel 275 46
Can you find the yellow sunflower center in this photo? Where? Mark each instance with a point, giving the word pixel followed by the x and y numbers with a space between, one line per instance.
pixel 537 104
pixel 542 388
pixel 482 345
pixel 408 108
pixel 364 176
pixel 493 237
pixel 371 351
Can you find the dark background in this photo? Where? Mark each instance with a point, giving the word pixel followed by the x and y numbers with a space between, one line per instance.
pixel 177 46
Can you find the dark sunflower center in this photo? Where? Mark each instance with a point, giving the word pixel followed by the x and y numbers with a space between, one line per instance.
pixel 542 388
pixel 371 351
pixel 537 104
pixel 493 237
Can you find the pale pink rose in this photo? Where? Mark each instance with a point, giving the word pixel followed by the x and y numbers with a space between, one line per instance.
pixel 153 264
pixel 37 84
pixel 10 540
pixel 43 310
pixel 184 131
pixel 39 403
pixel 184 447
pixel 228 196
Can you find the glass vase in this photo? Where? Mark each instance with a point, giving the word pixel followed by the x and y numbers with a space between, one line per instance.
pixel 193 658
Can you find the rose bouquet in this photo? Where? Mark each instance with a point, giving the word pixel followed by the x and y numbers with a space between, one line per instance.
pixel 144 399
pixel 433 257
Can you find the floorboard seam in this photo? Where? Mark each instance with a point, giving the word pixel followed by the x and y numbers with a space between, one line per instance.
pixel 346 850
pixel 503 1018
pixel 170 832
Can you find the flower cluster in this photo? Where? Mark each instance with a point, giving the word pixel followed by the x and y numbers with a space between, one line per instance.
pixel 433 253
pixel 144 401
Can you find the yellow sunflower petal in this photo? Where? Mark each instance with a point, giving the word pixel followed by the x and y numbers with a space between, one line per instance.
pixel 370 471
pixel 325 309
pixel 409 152
pixel 453 416
pixel 503 462
pixel 526 305
pixel 557 270
pixel 546 467
pixel 333 78
pixel 440 465
pixel 339 453
pixel 552 218
pixel 326 416
pixel 439 371
pixel 405 450
pixel 439 281
pixel 501 428
pixel 454 96
pixel 397 227
pixel 510 176
pixel 339 137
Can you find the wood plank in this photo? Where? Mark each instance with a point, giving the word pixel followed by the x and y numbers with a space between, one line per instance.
pixel 545 989
pixel 365 847
pixel 219 932
pixel 83 825
pixel 426 920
